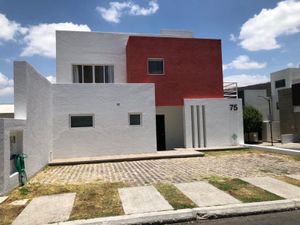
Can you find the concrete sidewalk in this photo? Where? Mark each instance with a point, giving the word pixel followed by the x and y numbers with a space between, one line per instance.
pixel 146 205
pixel 128 157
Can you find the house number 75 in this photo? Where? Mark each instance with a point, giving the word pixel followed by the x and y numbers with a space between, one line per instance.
pixel 233 107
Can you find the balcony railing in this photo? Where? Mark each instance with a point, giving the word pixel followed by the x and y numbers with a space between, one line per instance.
pixel 230 90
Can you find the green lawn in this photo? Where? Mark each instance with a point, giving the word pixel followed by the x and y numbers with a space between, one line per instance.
pixel 242 190
pixel 175 197
pixel 92 199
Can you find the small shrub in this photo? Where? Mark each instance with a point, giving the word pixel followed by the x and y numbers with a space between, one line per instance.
pixel 252 119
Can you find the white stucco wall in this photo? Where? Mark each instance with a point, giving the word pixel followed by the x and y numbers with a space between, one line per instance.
pixel 33 104
pixel 90 48
pixel 7 180
pixel 173 125
pixel 110 104
pixel 220 124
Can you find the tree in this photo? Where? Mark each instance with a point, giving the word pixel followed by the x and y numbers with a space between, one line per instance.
pixel 252 119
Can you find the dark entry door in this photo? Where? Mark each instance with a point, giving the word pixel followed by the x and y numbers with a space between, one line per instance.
pixel 160 132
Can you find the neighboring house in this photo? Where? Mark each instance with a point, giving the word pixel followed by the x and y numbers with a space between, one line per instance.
pixel 122 93
pixel 283 108
pixel 289 112
pixel 255 95
pixel 6 111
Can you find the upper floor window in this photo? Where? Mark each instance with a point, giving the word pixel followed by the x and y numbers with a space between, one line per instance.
pixel 280 83
pixel 93 74
pixel 156 66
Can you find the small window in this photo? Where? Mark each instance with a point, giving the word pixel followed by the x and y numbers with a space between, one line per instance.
pixel 81 121
pixel 280 83
pixel 135 119
pixel 156 66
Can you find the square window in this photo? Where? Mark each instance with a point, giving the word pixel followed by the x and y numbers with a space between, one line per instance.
pixel 81 121
pixel 280 83
pixel 156 66
pixel 135 119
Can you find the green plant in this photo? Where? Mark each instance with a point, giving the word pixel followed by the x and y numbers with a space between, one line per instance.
pixel 252 119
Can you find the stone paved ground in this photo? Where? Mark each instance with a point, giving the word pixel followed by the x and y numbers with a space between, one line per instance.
pixel 173 170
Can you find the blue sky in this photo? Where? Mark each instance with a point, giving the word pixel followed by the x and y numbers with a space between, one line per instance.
pixel 258 36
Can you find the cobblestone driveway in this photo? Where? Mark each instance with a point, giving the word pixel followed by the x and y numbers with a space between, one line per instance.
pixel 172 170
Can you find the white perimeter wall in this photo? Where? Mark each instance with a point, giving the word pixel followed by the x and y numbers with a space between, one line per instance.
pixel 8 181
pixel 90 48
pixel 220 124
pixel 173 125
pixel 33 104
pixel 111 133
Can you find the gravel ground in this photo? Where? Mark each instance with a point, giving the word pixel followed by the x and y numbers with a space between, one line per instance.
pixel 246 164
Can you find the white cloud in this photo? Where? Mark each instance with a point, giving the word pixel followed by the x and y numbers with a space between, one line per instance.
pixel 52 79
pixel 243 62
pixel 6 85
pixel 117 9
pixel 9 28
pixel 233 38
pixel 261 31
pixel 290 65
pixel 40 39
pixel 246 79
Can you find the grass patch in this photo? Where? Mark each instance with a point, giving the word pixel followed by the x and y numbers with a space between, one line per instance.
pixel 242 190
pixel 221 152
pixel 92 199
pixel 295 157
pixel 9 213
pixel 175 197
pixel 289 180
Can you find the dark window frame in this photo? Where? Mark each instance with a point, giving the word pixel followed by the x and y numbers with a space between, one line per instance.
pixel 82 115
pixel 135 114
pixel 81 76
pixel 153 60
pixel 280 83
pixel 296 94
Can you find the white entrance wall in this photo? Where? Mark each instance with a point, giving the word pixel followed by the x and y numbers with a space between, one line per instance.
pixel 7 127
pixel 46 108
pixel 213 122
pixel 173 125
pixel 110 104
pixel 33 98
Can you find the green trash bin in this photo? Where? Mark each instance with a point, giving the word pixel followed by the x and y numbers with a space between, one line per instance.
pixel 20 167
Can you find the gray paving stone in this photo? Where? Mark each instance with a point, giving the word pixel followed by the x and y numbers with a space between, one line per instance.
pixel 205 194
pixel 19 202
pixel 294 176
pixel 47 209
pixel 275 186
pixel 3 198
pixel 142 200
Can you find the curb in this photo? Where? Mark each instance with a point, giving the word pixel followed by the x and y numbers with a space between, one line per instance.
pixel 274 149
pixel 138 158
pixel 192 214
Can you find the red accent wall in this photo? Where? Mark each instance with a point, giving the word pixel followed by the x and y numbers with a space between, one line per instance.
pixel 193 67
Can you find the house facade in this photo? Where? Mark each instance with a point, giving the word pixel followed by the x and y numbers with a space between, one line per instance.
pixel 284 109
pixel 118 93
